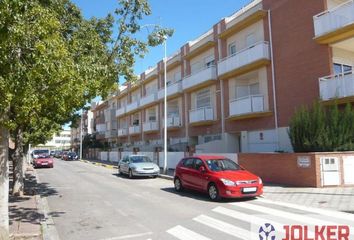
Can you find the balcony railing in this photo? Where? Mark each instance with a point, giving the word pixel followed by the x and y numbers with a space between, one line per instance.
pixel 150 126
pixel 122 132
pixel 134 129
pixel 132 106
pixel 335 18
pixel 337 86
pixel 101 127
pixel 244 57
pixel 172 89
pixel 120 111
pixel 245 105
pixel 199 77
pixel 111 133
pixel 201 115
pixel 148 99
pixel 173 122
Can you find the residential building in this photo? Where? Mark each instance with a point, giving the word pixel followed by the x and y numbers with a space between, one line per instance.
pixel 235 88
pixel 60 141
pixel 87 128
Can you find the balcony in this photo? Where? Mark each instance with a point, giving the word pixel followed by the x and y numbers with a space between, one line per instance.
pixel 132 106
pixel 173 122
pixel 111 133
pixel 335 24
pixel 101 127
pixel 337 86
pixel 148 100
pixel 201 115
pixel 246 60
pixel 122 132
pixel 247 107
pixel 150 126
pixel 172 89
pixel 134 130
pixel 199 78
pixel 120 111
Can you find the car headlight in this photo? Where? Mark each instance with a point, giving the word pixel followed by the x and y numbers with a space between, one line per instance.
pixel 227 182
pixel 260 180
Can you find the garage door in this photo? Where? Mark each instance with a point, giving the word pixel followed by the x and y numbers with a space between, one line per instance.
pixel 348 166
pixel 330 171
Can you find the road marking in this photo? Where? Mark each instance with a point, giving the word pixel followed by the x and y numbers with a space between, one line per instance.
pixel 185 234
pixel 121 212
pixel 341 215
pixel 129 236
pixel 284 214
pixel 225 227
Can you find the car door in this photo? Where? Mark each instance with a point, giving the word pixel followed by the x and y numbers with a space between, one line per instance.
pixel 185 172
pixel 196 176
pixel 124 166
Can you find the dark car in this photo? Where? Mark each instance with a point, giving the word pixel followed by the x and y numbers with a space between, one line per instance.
pixel 44 160
pixel 70 156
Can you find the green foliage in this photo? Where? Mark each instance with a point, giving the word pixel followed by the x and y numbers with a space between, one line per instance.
pixel 322 130
pixel 53 61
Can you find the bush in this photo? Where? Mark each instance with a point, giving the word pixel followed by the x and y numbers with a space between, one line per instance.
pixel 321 129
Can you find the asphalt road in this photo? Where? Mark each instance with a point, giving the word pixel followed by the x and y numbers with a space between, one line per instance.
pixel 92 202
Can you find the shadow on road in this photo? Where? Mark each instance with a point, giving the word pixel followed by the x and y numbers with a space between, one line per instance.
pixel 134 178
pixel 202 196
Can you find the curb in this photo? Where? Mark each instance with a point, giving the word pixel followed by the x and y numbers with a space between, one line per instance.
pixel 167 177
pixel 99 164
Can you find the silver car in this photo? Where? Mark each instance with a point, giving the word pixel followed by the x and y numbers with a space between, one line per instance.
pixel 138 165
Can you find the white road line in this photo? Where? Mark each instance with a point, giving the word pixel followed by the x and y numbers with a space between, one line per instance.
pixel 185 234
pixel 225 227
pixel 340 215
pixel 129 236
pixel 283 214
pixel 121 212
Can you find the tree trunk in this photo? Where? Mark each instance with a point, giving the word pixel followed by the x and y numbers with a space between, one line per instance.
pixel 17 157
pixel 4 185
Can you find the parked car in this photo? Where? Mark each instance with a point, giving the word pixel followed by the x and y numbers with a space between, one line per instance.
pixel 138 165
pixel 57 154
pixel 70 156
pixel 43 160
pixel 64 154
pixel 37 152
pixel 218 176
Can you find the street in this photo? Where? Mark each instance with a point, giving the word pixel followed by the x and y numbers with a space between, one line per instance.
pixel 91 202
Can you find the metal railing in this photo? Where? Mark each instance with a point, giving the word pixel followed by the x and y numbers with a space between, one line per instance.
pixel 201 114
pixel 337 85
pixel 247 104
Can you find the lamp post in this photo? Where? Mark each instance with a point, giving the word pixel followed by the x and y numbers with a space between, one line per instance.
pixel 82 113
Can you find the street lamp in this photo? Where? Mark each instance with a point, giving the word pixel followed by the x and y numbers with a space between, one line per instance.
pixel 82 114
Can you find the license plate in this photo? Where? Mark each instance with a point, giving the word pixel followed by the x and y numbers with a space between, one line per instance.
pixel 44 163
pixel 249 189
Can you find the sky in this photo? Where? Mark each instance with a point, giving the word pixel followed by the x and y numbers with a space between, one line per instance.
pixel 188 18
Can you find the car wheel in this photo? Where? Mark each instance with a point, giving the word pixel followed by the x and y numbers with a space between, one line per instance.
pixel 154 176
pixel 213 192
pixel 178 185
pixel 131 173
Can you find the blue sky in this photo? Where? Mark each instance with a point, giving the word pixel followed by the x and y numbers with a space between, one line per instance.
pixel 189 19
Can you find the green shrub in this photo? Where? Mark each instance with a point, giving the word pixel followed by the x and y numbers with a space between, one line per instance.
pixel 321 129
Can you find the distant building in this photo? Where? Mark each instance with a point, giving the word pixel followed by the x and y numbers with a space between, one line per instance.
pixel 87 129
pixel 59 141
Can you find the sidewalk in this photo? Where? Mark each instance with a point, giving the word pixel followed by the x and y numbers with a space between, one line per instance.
pixel 23 211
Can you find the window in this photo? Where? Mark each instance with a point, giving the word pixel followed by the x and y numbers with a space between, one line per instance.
pixel 136 119
pixel 209 61
pixel 151 88
pixel 188 163
pixel 339 68
pixel 250 40
pixel 172 109
pixel 203 99
pixel 151 114
pixel 198 164
pixel 195 67
pixel 232 48
pixel 177 76
pixel 247 90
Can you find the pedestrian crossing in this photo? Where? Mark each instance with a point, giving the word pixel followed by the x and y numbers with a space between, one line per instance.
pixel 243 219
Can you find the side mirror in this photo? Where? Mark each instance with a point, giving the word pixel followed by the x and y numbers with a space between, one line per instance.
pixel 202 169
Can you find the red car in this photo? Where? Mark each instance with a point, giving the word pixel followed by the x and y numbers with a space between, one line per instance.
pixel 43 161
pixel 218 176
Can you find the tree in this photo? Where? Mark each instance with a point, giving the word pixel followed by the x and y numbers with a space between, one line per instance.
pixel 53 61
pixel 321 129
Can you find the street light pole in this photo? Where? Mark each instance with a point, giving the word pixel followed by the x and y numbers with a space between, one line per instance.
pixel 165 107
pixel 82 113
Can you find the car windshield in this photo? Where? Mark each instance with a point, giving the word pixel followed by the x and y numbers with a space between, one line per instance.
pixel 43 156
pixel 217 165
pixel 140 159
pixel 72 154
pixel 40 152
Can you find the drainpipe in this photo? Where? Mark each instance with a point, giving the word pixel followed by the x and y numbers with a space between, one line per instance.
pixel 273 81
